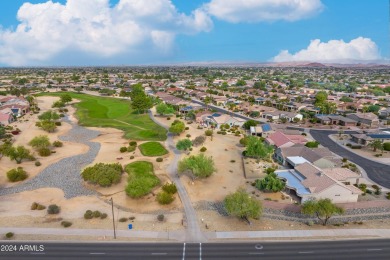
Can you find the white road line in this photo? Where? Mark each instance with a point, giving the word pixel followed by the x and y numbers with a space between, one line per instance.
pixel 255 253
pixel 184 251
pixel 200 251
pixel 374 249
pixel 97 253
pixel 159 253
pixel 306 252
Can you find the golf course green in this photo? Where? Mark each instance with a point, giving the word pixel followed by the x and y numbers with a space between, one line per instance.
pixel 98 111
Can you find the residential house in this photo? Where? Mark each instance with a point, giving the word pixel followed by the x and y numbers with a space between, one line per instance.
pixel 365 119
pixel 310 182
pixel 217 119
pixel 279 139
pixel 6 119
pixel 260 130
pixel 336 120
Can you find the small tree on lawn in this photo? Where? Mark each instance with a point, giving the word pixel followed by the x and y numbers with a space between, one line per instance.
pixel 164 109
pixel 66 98
pixel 323 209
pixel 184 144
pixel 270 183
pixel 200 165
pixel 240 204
pixel 58 104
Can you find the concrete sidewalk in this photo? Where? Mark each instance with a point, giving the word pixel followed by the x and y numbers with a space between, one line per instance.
pixel 179 236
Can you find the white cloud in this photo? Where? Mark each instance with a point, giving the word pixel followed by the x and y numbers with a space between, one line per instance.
pixel 236 11
pixel 359 49
pixel 93 27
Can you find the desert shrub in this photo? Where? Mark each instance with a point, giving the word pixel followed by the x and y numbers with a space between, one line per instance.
pixel 133 143
pixel 312 144
pixel 17 174
pixel 122 219
pixel 232 161
pixel 131 157
pixel 356 147
pixel 188 135
pixel 9 235
pixel 244 141
pixel 160 217
pixel 223 132
pixel 58 123
pixel 344 160
pixel 199 140
pixel 164 198
pixel 96 214
pixel 169 188
pixel 57 144
pixel 40 207
pixel 66 224
pixel 103 174
pixel 186 128
pixel 348 144
pixel 369 191
pixel 44 152
pixel 386 146
pixel 159 159
pixel 88 214
pixel 38 163
pixel 34 206
pixel 203 149
pixel 131 148
pixel 53 209
pixel 168 118
pixel 103 216
pixel 123 149
pixel 131 218
pixel 208 132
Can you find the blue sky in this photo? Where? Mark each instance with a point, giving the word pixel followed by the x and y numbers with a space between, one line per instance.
pixel 136 32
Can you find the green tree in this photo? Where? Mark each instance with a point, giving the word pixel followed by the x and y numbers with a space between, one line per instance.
pixel 200 165
pixel 4 149
pixel 240 204
pixel 270 183
pixel 19 153
pixel 323 209
pixel 48 126
pixel 258 149
pixel 66 98
pixel 164 109
pixel 141 103
pixel 177 127
pixel 321 98
pixel 2 131
pixel 374 108
pixel 39 142
pixel 247 125
pixel 49 116
pixel 58 104
pixel 184 144
pixel 346 99
pixel 209 132
pixel 376 144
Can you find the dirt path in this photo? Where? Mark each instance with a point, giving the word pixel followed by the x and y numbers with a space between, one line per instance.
pixel 193 232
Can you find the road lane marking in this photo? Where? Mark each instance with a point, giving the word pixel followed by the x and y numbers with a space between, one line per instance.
pixel 306 252
pixel 97 253
pixel 256 253
pixel 159 253
pixel 184 251
pixel 374 249
pixel 200 251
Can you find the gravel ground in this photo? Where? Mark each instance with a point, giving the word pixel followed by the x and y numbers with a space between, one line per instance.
pixel 64 174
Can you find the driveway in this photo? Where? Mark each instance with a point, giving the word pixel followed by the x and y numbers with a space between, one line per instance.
pixel 377 172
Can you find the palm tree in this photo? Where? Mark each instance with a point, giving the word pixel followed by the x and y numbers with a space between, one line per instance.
pixel 376 144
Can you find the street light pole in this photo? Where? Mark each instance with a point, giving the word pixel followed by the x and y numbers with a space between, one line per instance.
pixel 113 219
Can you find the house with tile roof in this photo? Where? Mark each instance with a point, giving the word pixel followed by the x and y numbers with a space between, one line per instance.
pixel 279 139
pixel 308 182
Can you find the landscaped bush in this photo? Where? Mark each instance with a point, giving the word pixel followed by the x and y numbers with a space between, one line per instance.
pixel 59 123
pixel 38 163
pixel 122 219
pixel 203 149
pixel 169 188
pixel 160 217
pixel 223 132
pixel 103 174
pixel 133 143
pixel 131 157
pixel 159 159
pixel 17 174
pixel 199 140
pixel 188 135
pixel 187 128
pixel 164 198
pixel 313 144
pixel 244 141
pixel 57 144
pixel 37 206
pixel 131 148
pixel 44 152
pixel 103 216
pixel 66 224
pixel 96 214
pixel 152 149
pixel 53 209
pixel 141 179
pixel 88 214
pixel 232 161
pixel 123 149
pixel 386 146
pixel 9 235
pixel 131 218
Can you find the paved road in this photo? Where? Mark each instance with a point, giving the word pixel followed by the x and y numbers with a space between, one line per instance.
pixel 193 231
pixel 353 249
pixel 377 172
